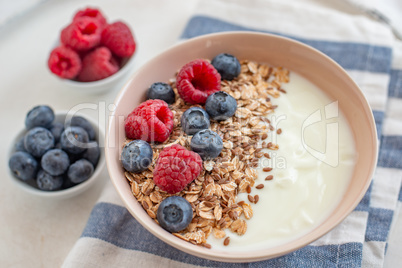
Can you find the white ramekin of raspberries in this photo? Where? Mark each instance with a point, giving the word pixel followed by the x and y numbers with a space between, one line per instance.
pixel 91 53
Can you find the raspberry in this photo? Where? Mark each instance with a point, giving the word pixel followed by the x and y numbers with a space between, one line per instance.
pixel 197 80
pixel 82 34
pixel 97 65
pixel 151 121
pixel 92 13
pixel 175 168
pixel 64 62
pixel 119 39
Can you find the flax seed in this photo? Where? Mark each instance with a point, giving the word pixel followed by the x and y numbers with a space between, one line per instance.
pixel 267 155
pixel 269 177
pixel 248 189
pixel 256 198
pixel 207 245
pixel 260 186
pixel 269 144
pixel 267 169
pixel 226 241
pixel 250 198
pixel 279 131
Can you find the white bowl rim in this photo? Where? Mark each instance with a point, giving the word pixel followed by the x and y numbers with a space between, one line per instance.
pixel 113 77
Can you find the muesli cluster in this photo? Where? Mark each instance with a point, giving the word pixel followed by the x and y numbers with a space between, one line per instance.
pixel 213 193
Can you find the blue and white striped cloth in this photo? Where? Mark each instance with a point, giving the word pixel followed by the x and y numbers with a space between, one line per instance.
pixel 367 50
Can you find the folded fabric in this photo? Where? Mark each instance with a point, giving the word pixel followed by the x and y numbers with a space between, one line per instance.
pixel 112 237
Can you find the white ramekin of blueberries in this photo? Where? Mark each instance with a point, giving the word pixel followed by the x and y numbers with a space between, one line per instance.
pixel 56 154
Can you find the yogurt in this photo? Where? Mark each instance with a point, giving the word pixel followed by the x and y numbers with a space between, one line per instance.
pixel 312 169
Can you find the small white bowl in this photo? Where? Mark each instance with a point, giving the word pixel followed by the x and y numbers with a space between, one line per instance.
pixel 99 86
pixel 102 85
pixel 30 187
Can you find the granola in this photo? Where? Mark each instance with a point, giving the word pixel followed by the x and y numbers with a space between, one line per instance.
pixel 213 195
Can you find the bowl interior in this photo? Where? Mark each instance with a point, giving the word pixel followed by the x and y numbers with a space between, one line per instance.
pixel 277 51
pixel 69 192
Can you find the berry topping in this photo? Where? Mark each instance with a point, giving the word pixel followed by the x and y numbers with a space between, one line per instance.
pixel 38 141
pixel 220 106
pixel 64 62
pixel 79 121
pixel 55 162
pixel 197 80
pixel 227 65
pixel 175 168
pixel 161 91
pixel 80 171
pixel 82 34
pixel 92 154
pixel 56 128
pixel 151 121
pixel 207 143
pixel 47 182
pixel 39 116
pixel 98 64
pixel 174 214
pixel 119 39
pixel 136 156
pixel 193 120
pixel 91 13
pixel 23 165
pixel 74 140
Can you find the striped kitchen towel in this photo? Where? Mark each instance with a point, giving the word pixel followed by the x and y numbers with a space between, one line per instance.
pixel 113 238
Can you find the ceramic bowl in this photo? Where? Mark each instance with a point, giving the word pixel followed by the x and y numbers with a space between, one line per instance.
pixel 274 50
pixel 102 85
pixel 31 188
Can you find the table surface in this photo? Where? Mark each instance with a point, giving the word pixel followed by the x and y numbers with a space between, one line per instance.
pixel 36 232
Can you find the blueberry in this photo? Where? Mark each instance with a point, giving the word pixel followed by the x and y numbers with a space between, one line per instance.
pixel 79 121
pixel 161 91
pixel 136 156
pixel 47 182
pixel 92 154
pixel 56 128
pixel 74 140
pixel 23 165
pixel 220 106
pixel 39 116
pixel 207 143
pixel 80 171
pixel 227 65
pixel 55 162
pixel 174 214
pixel 38 140
pixel 19 146
pixel 194 120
